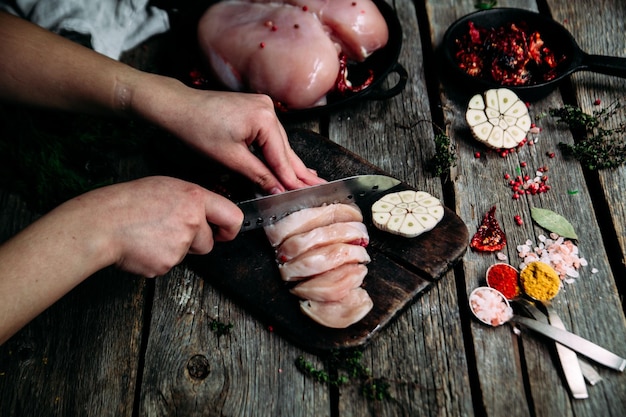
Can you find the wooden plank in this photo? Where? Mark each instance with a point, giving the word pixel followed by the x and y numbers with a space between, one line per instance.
pixel 421 353
pixel 191 371
pixel 479 184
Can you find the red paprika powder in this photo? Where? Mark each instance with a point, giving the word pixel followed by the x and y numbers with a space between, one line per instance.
pixel 504 278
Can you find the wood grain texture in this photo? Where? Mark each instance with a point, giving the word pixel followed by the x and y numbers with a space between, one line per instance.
pixel 123 346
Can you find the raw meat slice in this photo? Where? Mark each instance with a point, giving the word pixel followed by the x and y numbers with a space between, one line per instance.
pixel 354 233
pixel 322 259
pixel 332 285
pixel 339 314
pixel 275 49
pixel 305 220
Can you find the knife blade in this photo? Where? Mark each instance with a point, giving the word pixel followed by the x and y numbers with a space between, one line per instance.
pixel 569 360
pixel 264 211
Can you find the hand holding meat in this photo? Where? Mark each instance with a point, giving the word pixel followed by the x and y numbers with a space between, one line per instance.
pixel 42 69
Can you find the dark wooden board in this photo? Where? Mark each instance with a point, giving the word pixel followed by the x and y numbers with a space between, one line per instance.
pixel 401 269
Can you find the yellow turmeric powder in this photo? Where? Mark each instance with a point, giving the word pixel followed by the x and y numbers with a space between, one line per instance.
pixel 540 281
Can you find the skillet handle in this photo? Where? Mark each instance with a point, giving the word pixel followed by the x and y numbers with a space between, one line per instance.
pixel 602 64
pixel 384 94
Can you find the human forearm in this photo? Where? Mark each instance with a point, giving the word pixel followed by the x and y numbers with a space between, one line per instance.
pixel 43 262
pixel 40 68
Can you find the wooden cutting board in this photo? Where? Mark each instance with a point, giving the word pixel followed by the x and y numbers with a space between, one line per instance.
pixel 401 269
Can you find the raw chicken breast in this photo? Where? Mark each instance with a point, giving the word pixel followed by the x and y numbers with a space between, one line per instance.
pixel 332 285
pixel 339 314
pixel 305 220
pixel 279 50
pixel 354 233
pixel 356 25
pixel 322 259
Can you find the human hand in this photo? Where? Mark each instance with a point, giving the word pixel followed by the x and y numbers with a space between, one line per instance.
pixel 224 126
pixel 149 225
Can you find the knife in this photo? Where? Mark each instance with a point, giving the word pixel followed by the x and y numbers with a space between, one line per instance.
pixel 569 360
pixel 264 211
pixel 589 373
pixel 574 342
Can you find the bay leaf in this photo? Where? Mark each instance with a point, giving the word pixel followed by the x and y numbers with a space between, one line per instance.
pixel 553 222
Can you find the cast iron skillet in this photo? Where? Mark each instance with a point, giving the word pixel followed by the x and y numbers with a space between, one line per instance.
pixel 555 37
pixel 382 63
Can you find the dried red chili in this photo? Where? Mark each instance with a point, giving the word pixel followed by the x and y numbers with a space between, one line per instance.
pixel 489 237
pixel 504 278
pixel 509 55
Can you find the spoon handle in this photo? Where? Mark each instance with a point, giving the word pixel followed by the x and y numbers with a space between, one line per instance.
pixel 602 64
pixel 575 342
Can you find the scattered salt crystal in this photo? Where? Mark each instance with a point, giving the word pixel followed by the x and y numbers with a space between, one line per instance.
pixel 594 270
pixel 556 251
pixel 501 256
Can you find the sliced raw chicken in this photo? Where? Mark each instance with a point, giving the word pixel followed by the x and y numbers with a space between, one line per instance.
pixel 305 220
pixel 322 259
pixel 356 25
pixel 275 49
pixel 332 285
pixel 354 233
pixel 339 314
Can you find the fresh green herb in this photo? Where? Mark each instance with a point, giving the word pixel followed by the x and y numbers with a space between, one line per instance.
pixel 553 222
pixel 485 5
pixel 600 147
pixel 346 366
pixel 219 328
pixel 445 155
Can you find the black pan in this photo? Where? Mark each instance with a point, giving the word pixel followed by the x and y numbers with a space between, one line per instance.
pixel 381 63
pixel 555 37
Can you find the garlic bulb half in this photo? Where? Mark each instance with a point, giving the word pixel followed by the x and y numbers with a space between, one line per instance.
pixel 498 118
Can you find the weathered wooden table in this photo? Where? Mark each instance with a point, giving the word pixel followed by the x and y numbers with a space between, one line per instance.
pixel 121 345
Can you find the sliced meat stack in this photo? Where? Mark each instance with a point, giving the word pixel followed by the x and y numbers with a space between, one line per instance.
pixel 322 250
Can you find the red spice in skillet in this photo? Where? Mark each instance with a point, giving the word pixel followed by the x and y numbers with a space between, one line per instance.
pixel 509 55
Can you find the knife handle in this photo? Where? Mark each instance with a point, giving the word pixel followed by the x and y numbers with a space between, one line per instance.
pixel 569 360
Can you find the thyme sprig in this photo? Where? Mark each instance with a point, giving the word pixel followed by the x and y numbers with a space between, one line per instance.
pixel 600 147
pixel 444 157
pixel 348 368
pixel 485 5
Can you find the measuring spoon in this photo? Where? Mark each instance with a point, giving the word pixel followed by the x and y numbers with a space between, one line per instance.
pixel 482 295
pixel 555 37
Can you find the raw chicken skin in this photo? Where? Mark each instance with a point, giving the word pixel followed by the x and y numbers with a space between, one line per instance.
pixel 354 233
pixel 332 285
pixel 339 314
pixel 322 259
pixel 245 44
pixel 305 220
pixel 356 25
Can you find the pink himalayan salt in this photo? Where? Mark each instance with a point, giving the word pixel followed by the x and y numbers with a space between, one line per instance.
pixel 490 306
pixel 561 254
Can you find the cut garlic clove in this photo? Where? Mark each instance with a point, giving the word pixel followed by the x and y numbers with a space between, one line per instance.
pixel 477 102
pixel 506 98
pixel 505 121
pixel 413 213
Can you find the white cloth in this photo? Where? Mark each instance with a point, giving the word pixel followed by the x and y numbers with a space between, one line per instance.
pixel 114 26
